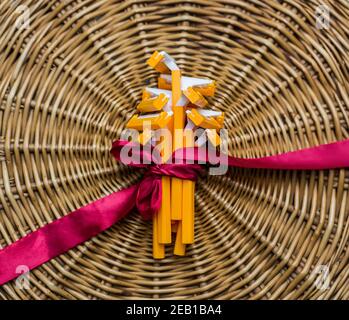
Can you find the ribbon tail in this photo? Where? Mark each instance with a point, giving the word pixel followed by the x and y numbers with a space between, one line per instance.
pixel 65 233
pixel 148 200
pixel 323 157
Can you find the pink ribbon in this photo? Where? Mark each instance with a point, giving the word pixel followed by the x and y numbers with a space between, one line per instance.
pixel 82 224
pixel 327 156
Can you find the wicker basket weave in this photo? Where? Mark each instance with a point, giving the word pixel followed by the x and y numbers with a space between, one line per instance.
pixel 70 82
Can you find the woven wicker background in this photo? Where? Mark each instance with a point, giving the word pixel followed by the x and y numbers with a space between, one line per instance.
pixel 69 83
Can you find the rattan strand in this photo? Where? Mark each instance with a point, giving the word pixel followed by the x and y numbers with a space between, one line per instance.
pixel 69 83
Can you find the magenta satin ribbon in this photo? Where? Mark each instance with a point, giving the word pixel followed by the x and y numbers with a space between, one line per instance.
pixel 82 224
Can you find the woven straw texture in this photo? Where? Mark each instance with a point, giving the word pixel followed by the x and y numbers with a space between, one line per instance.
pixel 70 82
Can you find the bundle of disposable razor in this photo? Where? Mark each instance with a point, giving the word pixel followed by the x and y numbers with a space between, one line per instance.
pixel 179 106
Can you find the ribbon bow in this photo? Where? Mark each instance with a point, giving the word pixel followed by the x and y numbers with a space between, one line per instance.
pixel 148 199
